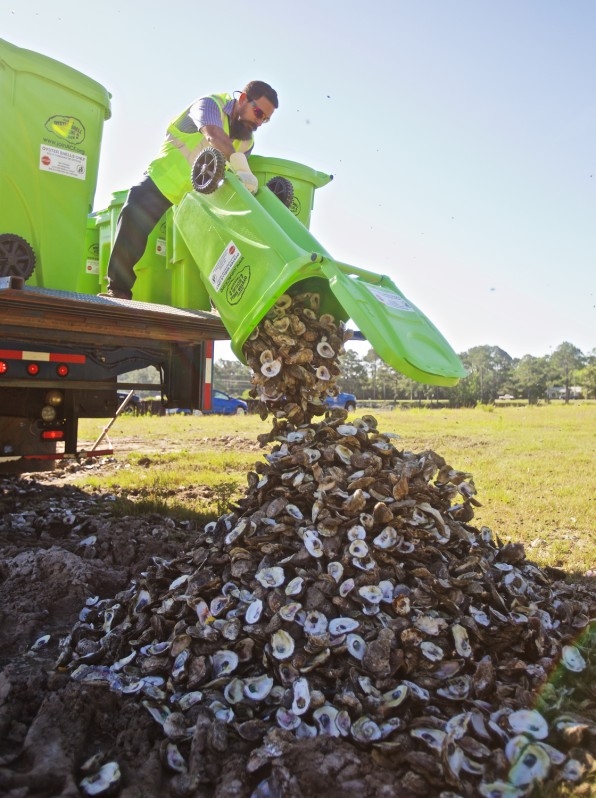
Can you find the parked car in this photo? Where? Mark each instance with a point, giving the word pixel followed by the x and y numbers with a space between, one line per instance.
pixel 134 406
pixel 224 404
pixel 347 400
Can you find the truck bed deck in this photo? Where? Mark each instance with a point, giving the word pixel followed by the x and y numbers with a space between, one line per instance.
pixel 29 309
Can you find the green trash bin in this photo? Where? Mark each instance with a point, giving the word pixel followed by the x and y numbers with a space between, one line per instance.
pixel 88 282
pixel 153 279
pixel 188 290
pixel 103 226
pixel 50 137
pixel 303 178
pixel 250 250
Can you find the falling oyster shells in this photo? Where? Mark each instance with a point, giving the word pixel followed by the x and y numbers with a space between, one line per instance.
pixel 253 611
pixel 325 718
pixel 358 549
pixel 40 643
pixel 315 623
pixel 386 539
pixel 433 738
pixel 365 730
pixel 572 659
pixel 462 642
pixel 396 697
pixel 336 570
pixel 173 759
pixel 528 721
pixel 431 651
pixel 271 367
pixel 287 719
pixel 341 626
pixel 258 687
pixel 532 766
pixel 294 586
pixel 106 779
pixel 356 646
pixel 223 663
pixel 301 700
pixel 282 644
pixel 271 577
pixel 371 593
pixel 312 543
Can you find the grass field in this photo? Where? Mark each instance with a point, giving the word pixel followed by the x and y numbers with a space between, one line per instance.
pixel 534 467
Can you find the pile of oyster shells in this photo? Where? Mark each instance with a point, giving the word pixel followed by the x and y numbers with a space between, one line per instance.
pixel 348 595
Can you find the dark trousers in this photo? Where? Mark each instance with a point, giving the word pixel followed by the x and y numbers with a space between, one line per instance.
pixel 144 207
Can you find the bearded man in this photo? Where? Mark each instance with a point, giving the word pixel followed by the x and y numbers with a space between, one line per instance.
pixel 223 121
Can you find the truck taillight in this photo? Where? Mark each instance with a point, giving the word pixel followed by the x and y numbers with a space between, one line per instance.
pixel 32 369
pixel 3 366
pixel 52 435
pixel 62 370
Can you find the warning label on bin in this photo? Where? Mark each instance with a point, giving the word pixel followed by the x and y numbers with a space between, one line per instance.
pixel 225 263
pixel 63 162
pixel 390 299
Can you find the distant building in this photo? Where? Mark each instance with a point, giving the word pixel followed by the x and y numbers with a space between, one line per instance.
pixel 558 392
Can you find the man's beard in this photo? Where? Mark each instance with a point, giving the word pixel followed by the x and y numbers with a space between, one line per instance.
pixel 240 130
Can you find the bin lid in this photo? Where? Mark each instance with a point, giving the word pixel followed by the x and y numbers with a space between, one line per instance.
pixel 289 169
pixel 48 69
pixel 397 330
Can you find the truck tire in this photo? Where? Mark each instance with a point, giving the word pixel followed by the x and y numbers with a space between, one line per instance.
pixel 282 188
pixel 17 258
pixel 208 171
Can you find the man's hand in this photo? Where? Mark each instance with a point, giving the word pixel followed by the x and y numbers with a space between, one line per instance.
pixel 240 166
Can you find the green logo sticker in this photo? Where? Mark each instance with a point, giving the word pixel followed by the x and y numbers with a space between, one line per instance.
pixel 66 128
pixel 237 285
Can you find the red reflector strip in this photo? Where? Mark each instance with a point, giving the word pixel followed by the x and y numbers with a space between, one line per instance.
pixel 52 435
pixel 48 357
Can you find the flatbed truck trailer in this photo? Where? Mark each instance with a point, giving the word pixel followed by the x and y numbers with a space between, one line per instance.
pixel 61 354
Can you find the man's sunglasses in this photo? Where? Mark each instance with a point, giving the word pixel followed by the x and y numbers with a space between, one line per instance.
pixel 258 112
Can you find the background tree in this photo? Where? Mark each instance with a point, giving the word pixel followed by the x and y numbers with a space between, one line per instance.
pixel 372 361
pixel 354 376
pixel 587 376
pixel 531 377
pixel 489 370
pixel 567 359
pixel 231 376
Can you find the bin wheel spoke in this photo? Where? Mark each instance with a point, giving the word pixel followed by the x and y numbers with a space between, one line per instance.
pixel 208 171
pixel 17 258
pixel 283 189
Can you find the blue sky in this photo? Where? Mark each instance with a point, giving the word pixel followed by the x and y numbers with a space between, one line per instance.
pixel 460 133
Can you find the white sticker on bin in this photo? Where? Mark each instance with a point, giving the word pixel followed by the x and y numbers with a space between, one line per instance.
pixel 63 162
pixel 390 299
pixel 225 263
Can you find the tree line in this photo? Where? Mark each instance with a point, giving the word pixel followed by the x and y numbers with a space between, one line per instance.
pixel 566 373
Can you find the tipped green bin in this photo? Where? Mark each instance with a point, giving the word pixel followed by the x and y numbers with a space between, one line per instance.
pixel 250 250
pixel 50 137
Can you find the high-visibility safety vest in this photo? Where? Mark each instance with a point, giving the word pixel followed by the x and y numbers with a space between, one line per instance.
pixel 171 170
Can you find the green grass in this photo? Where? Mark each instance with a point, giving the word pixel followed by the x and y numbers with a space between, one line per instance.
pixel 534 467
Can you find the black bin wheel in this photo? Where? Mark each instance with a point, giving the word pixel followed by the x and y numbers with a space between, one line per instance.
pixel 17 258
pixel 282 188
pixel 208 171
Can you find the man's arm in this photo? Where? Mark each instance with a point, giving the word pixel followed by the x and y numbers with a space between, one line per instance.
pixel 217 138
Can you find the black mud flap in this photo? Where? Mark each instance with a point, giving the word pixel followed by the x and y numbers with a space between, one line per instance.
pixel 184 377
